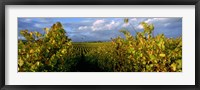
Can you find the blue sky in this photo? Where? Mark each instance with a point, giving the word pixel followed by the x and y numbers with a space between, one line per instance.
pixel 82 29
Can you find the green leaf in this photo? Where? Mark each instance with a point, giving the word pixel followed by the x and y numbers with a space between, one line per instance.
pixel 151 65
pixel 179 62
pixel 151 27
pixel 27 55
pixel 143 62
pixel 152 57
pixel 54 62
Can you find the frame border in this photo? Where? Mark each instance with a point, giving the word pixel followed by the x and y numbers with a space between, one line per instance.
pixel 3 3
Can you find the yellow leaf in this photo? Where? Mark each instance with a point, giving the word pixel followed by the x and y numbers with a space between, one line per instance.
pixel 20 62
pixel 31 51
pixel 37 63
pixel 162 55
pixel 173 66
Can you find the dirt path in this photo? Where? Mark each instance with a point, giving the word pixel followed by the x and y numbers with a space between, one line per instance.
pixel 84 66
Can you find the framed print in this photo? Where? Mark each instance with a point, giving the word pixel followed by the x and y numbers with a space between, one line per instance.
pixel 73 44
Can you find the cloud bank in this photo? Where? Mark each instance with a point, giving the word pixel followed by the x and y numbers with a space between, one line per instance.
pixel 101 29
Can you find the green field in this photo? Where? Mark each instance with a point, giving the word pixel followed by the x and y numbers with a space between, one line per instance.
pixel 85 47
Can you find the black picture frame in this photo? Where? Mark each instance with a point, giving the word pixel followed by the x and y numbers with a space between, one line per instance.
pixel 3 3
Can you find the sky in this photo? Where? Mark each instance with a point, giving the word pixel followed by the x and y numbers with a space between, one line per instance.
pixel 81 29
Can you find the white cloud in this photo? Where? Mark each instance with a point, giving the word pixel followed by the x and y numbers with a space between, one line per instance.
pixel 125 24
pixel 43 20
pixel 95 28
pixel 83 27
pixel 38 25
pixel 86 21
pixel 139 27
pixel 161 19
pixel 104 25
pixel 112 25
pixel 134 19
pixel 167 24
pixel 97 25
pixel 148 20
pixel 27 20
pixel 98 22
pixel 156 19
pixel 21 38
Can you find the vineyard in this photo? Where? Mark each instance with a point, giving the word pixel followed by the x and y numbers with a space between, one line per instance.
pixel 55 52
